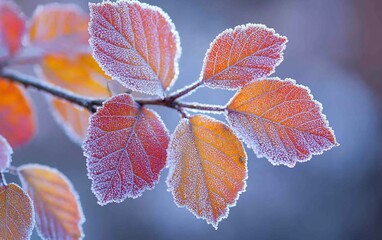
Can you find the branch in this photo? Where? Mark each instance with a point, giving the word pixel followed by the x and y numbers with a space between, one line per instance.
pixel 185 91
pixel 202 107
pixel 92 104
pixel 29 81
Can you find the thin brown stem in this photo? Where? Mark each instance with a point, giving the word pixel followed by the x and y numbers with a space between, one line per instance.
pixel 92 104
pixel 202 107
pixel 187 90
pixel 29 81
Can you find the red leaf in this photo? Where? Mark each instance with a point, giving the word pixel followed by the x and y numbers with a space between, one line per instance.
pixel 16 213
pixel 125 149
pixel 136 44
pixel 5 154
pixel 207 168
pixel 58 210
pixel 16 115
pixel 238 56
pixel 280 121
pixel 12 27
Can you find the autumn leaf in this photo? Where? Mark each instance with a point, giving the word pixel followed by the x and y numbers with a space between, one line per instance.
pixel 5 154
pixel 59 28
pixel 80 75
pixel 136 44
pixel 16 213
pixel 207 168
pixel 280 121
pixel 12 27
pixel 74 70
pixel 240 55
pixel 125 149
pixel 17 123
pixel 57 207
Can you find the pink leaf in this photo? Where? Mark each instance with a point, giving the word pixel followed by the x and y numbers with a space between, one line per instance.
pixel 12 27
pixel 136 44
pixel 125 149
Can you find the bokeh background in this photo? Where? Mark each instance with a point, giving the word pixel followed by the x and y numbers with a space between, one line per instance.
pixel 335 48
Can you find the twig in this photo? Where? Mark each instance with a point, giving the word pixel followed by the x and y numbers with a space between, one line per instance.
pixel 92 104
pixel 203 107
pixel 29 81
pixel 185 91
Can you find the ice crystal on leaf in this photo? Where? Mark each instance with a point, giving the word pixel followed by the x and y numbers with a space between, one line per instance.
pixel 280 120
pixel 240 55
pixel 125 149
pixel 16 213
pixel 57 208
pixel 136 44
pixel 207 168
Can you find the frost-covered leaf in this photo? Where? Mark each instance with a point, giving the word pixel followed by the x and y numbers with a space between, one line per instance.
pixel 240 55
pixel 16 116
pixel 57 208
pixel 207 168
pixel 5 154
pixel 280 120
pixel 16 213
pixel 12 27
pixel 59 28
pixel 136 44
pixel 125 149
pixel 81 75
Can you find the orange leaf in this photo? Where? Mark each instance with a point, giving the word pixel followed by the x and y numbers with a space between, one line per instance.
pixel 79 74
pixel 16 213
pixel 5 154
pixel 59 28
pixel 74 70
pixel 12 27
pixel 16 117
pixel 125 149
pixel 136 44
pixel 280 121
pixel 207 168
pixel 240 55
pixel 58 210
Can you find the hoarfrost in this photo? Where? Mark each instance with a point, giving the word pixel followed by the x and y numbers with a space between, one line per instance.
pixel 136 44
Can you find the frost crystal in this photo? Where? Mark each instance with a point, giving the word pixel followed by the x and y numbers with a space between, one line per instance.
pixel 125 149
pixel 136 44
pixel 207 168
pixel 280 120
pixel 238 56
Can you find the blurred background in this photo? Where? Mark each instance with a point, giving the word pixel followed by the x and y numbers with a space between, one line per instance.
pixel 335 48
